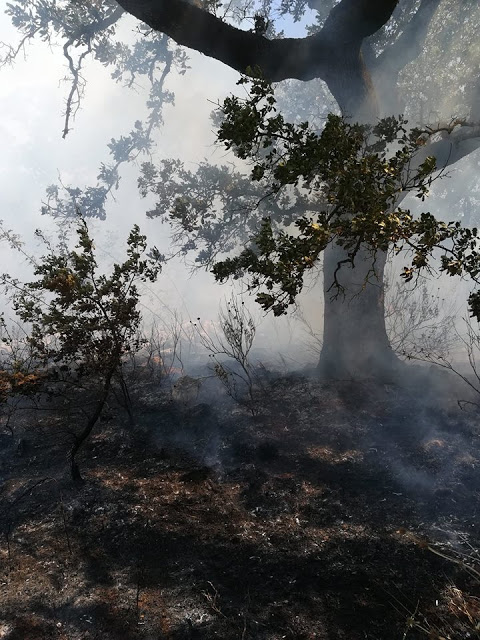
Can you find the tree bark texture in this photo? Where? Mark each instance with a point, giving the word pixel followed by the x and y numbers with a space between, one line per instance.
pixel 355 341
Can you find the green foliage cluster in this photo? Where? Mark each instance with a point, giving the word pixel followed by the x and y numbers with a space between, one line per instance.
pixel 357 175
pixel 78 316
pixel 79 324
pixel 209 209
pixel 81 321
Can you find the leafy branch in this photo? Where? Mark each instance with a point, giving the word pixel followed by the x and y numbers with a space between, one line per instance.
pixel 361 173
pixel 81 319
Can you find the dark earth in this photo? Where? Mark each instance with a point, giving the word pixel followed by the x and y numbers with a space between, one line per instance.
pixel 336 511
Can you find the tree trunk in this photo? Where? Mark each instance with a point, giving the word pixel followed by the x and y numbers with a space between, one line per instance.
pixel 355 341
pixel 92 421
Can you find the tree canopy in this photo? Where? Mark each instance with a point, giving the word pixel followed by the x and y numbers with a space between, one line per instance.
pixel 377 59
pixel 352 172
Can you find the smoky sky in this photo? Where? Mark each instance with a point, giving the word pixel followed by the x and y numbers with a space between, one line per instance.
pixel 32 99
pixel 32 94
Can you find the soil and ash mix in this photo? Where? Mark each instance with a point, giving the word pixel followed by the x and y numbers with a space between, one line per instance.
pixel 335 511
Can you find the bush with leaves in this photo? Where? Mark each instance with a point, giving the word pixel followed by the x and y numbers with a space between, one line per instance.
pixel 82 320
pixel 20 377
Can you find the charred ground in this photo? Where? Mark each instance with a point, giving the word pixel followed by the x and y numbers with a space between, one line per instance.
pixel 338 511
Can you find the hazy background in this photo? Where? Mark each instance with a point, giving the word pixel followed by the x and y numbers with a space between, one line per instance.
pixel 32 98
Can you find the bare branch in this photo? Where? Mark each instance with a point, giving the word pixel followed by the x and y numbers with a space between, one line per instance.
pixel 12 52
pixel 459 141
pixel 76 90
pixel 86 33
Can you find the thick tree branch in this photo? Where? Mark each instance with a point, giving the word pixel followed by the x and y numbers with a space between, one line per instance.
pixel 300 58
pixel 350 21
pixel 460 142
pixel 408 46
pixel 333 54
pixel 473 99
pixel 190 26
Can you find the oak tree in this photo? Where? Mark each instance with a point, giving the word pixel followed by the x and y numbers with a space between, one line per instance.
pixel 374 56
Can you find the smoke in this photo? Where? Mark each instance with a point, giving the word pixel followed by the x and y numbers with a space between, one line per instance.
pixel 31 129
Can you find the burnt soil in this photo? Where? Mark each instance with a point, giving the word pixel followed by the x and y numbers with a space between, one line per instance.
pixel 338 511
